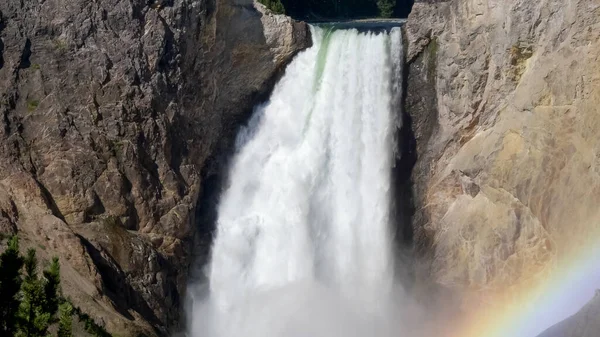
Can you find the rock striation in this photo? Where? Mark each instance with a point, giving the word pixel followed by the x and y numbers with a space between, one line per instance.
pixel 112 116
pixel 504 101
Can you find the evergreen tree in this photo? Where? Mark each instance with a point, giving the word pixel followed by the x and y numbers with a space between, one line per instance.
pixel 29 304
pixel 277 7
pixel 386 8
pixel 10 283
pixel 33 320
pixel 51 287
pixel 274 5
pixel 65 320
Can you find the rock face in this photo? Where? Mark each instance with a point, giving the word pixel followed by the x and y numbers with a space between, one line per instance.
pixel 112 113
pixel 504 97
pixel 584 324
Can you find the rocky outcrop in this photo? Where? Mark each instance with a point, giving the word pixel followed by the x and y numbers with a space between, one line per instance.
pixel 112 113
pixel 585 323
pixel 504 98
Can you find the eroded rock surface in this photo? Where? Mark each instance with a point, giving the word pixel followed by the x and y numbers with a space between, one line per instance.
pixel 504 97
pixel 111 116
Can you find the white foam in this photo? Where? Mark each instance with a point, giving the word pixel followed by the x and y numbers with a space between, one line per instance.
pixel 304 243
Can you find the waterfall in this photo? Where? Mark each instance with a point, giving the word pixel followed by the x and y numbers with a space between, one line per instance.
pixel 304 242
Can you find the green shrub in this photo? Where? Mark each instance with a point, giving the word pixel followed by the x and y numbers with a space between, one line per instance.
pixel 274 5
pixel 32 104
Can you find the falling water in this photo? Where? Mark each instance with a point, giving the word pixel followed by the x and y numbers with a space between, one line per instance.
pixel 304 245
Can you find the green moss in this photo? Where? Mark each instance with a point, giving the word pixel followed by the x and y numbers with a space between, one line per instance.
pixel 32 104
pixel 35 66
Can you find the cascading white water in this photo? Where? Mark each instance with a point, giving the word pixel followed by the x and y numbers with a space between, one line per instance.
pixel 304 243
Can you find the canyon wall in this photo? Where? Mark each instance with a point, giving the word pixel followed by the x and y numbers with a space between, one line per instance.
pixel 117 117
pixel 503 97
pixel 112 115
pixel 583 324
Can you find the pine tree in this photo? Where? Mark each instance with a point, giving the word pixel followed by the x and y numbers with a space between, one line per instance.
pixel 386 8
pixel 277 7
pixel 51 287
pixel 65 320
pixel 33 320
pixel 10 283
pixel 274 5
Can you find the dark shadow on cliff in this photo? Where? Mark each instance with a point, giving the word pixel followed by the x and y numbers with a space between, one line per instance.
pixel 116 287
pixel 1 43
pixel 404 205
pixel 420 106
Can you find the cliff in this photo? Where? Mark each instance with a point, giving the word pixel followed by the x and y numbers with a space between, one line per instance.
pixel 584 324
pixel 113 116
pixel 503 98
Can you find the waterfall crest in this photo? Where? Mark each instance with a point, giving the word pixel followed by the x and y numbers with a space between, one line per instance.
pixel 303 227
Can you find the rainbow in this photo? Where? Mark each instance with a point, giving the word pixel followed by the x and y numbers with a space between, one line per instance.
pixel 568 288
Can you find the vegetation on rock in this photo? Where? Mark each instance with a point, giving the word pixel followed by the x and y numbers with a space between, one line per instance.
pixel 32 104
pixel 274 5
pixel 519 54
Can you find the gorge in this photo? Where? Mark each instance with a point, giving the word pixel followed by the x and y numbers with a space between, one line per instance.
pixel 118 154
